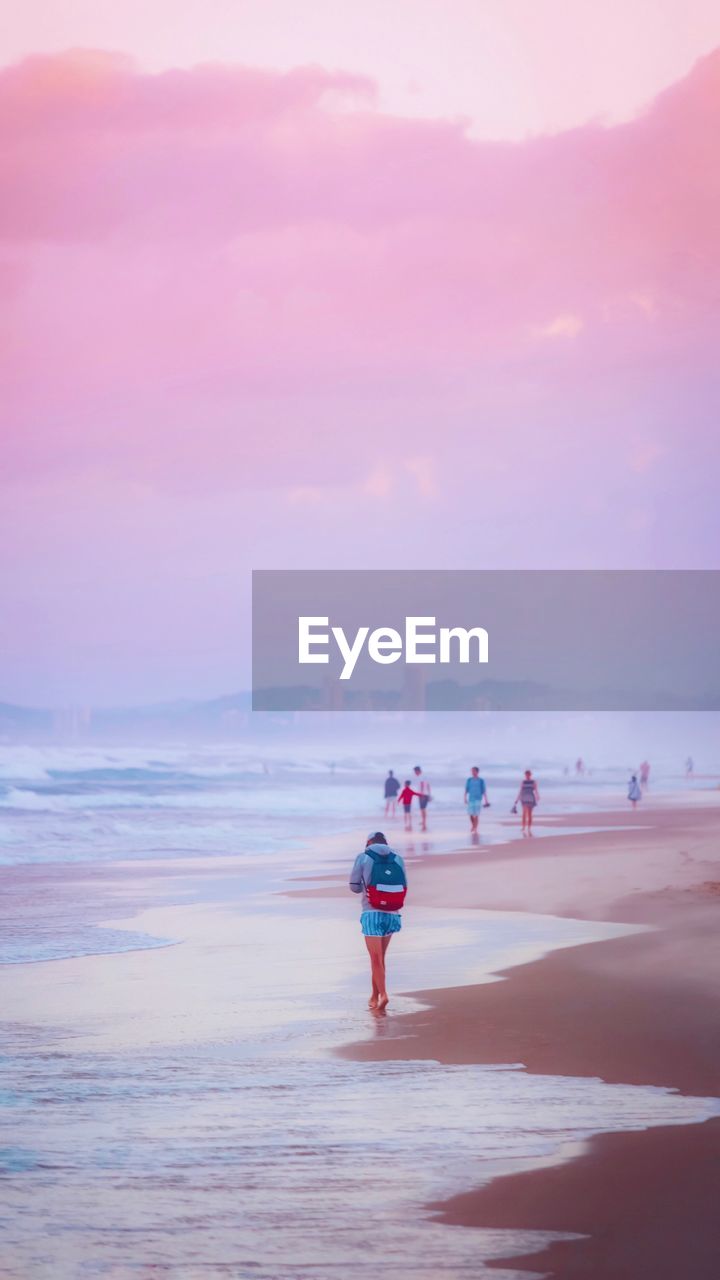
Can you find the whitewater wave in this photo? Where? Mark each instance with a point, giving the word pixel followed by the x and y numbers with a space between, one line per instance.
pixel 241 802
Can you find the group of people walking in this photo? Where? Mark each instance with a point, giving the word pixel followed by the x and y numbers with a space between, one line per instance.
pixel 418 786
pixel 475 797
pixel 379 874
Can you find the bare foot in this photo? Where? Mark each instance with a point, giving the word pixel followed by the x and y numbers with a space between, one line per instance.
pixel 373 1002
pixel 383 1001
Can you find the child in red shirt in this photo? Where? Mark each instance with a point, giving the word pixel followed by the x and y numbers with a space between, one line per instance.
pixel 405 799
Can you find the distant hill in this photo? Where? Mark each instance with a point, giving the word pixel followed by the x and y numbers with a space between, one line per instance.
pixel 18 721
pixel 183 718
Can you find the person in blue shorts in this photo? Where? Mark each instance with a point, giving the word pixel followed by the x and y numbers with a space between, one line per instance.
pixel 476 797
pixel 378 926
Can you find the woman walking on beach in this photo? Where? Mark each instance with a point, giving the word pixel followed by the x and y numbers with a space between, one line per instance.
pixel 379 875
pixel 528 796
pixel 634 792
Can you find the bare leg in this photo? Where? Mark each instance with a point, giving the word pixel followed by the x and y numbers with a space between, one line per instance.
pixel 384 1000
pixel 379 998
pixel 373 1001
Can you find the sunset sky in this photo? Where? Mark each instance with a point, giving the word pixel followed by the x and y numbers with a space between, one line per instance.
pixel 329 284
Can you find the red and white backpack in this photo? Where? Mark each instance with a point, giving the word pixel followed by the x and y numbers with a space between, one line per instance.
pixel 387 886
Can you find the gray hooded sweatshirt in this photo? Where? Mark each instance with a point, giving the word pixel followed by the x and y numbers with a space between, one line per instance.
pixel 362 870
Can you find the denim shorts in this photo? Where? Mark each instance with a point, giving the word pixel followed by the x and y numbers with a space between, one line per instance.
pixel 379 924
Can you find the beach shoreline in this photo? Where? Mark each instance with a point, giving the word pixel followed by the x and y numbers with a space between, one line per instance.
pixel 640 1009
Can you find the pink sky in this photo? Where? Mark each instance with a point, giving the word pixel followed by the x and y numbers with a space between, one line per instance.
pixel 285 318
pixel 510 67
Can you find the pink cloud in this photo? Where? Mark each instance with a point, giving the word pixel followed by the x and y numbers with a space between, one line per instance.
pixel 219 276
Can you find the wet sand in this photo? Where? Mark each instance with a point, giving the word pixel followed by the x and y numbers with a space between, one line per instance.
pixel 642 1009
pixel 646 1203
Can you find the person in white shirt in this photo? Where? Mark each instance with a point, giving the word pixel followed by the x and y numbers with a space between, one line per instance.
pixel 423 789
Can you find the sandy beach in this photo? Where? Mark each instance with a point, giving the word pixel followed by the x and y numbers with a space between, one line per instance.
pixel 641 1009
pixel 190 1059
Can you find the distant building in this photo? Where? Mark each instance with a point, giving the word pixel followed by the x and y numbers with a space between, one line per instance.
pixel 414 696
